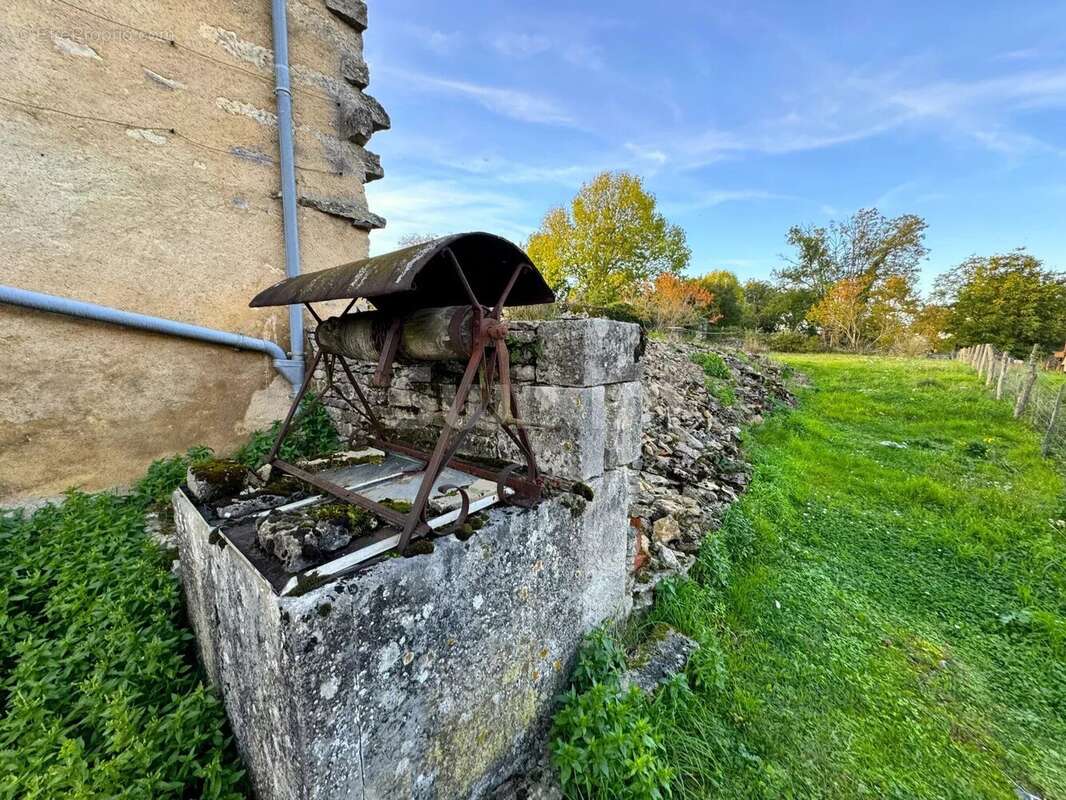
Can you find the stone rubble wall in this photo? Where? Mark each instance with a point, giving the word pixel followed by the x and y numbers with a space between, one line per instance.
pixel 692 467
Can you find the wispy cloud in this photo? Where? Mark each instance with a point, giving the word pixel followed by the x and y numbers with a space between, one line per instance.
pixel 504 170
pixel 442 206
pixel 1023 54
pixel 571 49
pixel 710 198
pixel 1031 89
pixel 440 42
pixel 858 107
pixel 521 45
pixel 514 103
pixel 648 154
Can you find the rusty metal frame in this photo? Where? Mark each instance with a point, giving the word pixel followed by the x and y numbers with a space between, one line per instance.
pixel 488 358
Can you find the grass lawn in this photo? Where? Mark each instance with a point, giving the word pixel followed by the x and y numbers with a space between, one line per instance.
pixel 884 613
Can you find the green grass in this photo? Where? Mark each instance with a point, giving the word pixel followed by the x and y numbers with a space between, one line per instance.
pixel 876 620
pixel 100 693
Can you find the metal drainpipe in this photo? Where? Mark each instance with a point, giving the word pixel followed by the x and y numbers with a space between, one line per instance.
pixel 292 371
pixel 283 97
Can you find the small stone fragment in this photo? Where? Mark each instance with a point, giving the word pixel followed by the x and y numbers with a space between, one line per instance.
pixel 668 558
pixel 215 478
pixel 663 656
pixel 299 541
pixel 666 530
pixel 253 505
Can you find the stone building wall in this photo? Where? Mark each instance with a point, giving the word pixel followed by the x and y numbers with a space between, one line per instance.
pixel 157 192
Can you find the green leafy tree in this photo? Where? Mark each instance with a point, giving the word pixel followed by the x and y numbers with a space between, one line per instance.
pixel 867 246
pixel 610 241
pixel 1009 300
pixel 933 321
pixel 770 308
pixel 728 294
pixel 891 311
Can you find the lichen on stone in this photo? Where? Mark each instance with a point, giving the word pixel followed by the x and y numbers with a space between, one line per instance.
pixel 524 351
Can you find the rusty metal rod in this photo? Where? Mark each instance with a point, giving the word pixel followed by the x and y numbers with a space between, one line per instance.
pixel 391 516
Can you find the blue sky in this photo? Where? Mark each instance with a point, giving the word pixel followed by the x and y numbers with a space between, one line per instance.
pixel 743 118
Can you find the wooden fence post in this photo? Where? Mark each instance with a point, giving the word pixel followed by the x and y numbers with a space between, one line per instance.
pixel 1027 386
pixel 1045 448
pixel 993 362
pixel 1004 365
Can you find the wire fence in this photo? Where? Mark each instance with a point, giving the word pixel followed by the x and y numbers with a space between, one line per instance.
pixel 1038 396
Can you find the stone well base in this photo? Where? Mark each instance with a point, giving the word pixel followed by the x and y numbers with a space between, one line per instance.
pixel 425 677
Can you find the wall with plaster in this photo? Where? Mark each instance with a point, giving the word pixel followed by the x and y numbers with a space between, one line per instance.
pixel 169 207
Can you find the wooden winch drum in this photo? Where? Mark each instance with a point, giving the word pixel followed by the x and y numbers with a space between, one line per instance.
pixel 428 334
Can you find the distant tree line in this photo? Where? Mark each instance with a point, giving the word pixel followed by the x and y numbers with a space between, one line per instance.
pixel 850 285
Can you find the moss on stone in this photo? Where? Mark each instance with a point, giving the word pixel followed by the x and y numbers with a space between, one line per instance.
pixel 644 649
pixel 356 520
pixel 282 485
pixel 225 475
pixel 308 583
pixel 658 632
pixel 368 459
pixel 419 547
pixel 583 490
pixel 341 460
pixel 575 504
pixel 400 506
pixel 524 351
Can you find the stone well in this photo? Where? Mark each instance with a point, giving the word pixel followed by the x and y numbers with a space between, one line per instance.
pixel 432 676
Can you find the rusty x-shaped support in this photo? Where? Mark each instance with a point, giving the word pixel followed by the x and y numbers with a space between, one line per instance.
pixel 488 331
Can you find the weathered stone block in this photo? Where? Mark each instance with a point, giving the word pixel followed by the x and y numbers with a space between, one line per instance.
pixel 355 212
pixel 361 116
pixel 425 677
pixel 567 429
pixel 354 69
pixel 623 405
pixel 351 11
pixel 587 352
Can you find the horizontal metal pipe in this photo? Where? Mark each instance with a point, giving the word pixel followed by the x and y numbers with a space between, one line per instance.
pixel 83 310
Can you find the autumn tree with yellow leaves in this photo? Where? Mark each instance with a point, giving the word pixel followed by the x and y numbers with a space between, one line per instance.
pixel 609 243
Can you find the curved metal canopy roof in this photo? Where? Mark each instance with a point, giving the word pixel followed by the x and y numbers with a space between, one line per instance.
pixel 420 276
